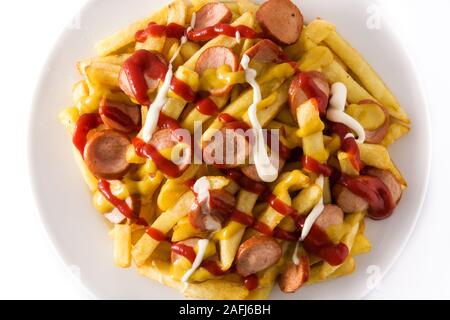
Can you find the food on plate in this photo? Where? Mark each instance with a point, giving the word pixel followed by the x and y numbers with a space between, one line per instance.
pixel 232 145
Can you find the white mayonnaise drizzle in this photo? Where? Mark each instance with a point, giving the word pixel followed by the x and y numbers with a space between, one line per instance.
pixel 295 259
pixel 315 212
pixel 201 188
pixel 155 108
pixel 202 245
pixel 238 37
pixel 336 111
pixel 265 169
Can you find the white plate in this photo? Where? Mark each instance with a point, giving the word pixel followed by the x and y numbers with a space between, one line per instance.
pixel 81 235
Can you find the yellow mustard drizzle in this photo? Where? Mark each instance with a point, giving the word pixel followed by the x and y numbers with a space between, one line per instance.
pixel 220 78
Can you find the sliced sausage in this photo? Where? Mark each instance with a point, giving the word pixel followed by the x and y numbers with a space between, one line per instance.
pixel 210 216
pixel 308 85
pixel 212 14
pixel 376 136
pixel 331 216
pixel 120 116
pixel 105 154
pixel 256 254
pixel 267 51
pixel 250 170
pixel 281 20
pixel 295 275
pixel 389 180
pixel 141 73
pixel 348 201
pixel 164 139
pixel 228 148
pixel 213 58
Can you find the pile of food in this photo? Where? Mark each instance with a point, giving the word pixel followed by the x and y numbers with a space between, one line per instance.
pixel 231 145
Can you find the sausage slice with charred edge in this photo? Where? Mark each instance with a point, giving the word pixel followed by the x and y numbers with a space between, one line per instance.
pixel 105 154
pixel 281 20
pixel 210 216
pixel 256 254
pixel 250 170
pixel 295 275
pixel 267 51
pixel 164 139
pixel 376 136
pixel 331 216
pixel 298 95
pixel 213 58
pixel 217 151
pixel 141 73
pixel 212 14
pixel 120 116
pixel 389 180
pixel 348 201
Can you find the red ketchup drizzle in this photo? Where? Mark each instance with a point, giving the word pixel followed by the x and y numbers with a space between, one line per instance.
pixel 312 165
pixel 213 268
pixel 166 122
pixel 118 116
pixel 374 191
pixel 185 251
pixel 305 81
pixel 247 183
pixel 155 234
pixel 317 242
pixel 85 123
pixel 209 33
pixel 226 118
pixel 148 151
pixel 105 188
pixel 207 107
pixel 172 30
pixel 348 145
pixel 182 89
pixel 189 253
pixel 242 218
pixel 280 206
pixel 251 282
pixel 140 65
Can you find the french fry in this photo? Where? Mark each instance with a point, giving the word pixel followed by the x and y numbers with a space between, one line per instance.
pixel 319 30
pixel 395 132
pixel 365 73
pixel 122 245
pixel 211 289
pixel 354 221
pixel 232 233
pixel 377 156
pixel 124 37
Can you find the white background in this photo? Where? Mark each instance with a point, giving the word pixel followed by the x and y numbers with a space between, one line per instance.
pixel 29 267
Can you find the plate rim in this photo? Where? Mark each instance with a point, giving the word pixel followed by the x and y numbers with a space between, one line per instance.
pixel 86 287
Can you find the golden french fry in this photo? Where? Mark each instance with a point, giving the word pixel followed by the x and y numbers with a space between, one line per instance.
pixel 124 37
pixel 122 245
pixel 395 132
pixel 365 73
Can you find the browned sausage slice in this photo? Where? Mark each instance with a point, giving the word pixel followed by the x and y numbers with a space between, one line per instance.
pixel 256 254
pixel 227 148
pixel 281 20
pixel 389 180
pixel 120 116
pixel 331 216
pixel 266 51
pixel 210 216
pixel 306 84
pixel 105 154
pixel 348 201
pixel 213 58
pixel 164 139
pixel 295 275
pixel 250 170
pixel 212 14
pixel 376 136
